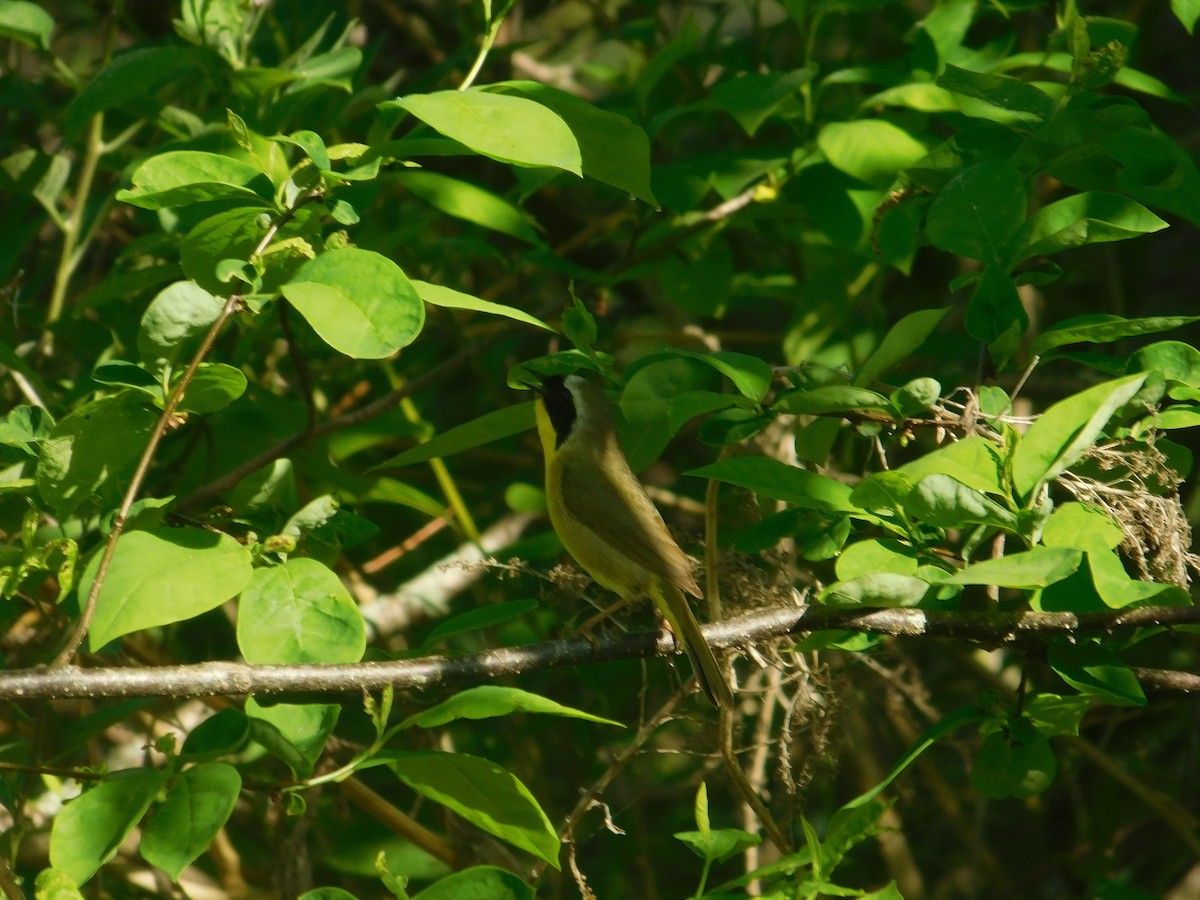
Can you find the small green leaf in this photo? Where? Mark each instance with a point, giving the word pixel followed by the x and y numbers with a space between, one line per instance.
pixel 1174 360
pixel 974 461
pixel 501 423
pixel 1056 715
pixel 509 129
pixel 483 793
pixel 1028 570
pixel 1016 763
pixel 91 828
pixel 477 619
pixel 1187 12
pixel 1066 430
pixel 179 314
pixel 1095 670
pixel 196 807
pixel 161 576
pixel 183 177
pixel 312 145
pixel 490 701
pixel 358 301
pixel 876 556
pixel 437 295
pixel 297 613
pixel 213 387
pixel 751 98
pixel 780 481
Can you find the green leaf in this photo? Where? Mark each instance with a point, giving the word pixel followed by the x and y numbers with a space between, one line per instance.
pixel 437 295
pixel 1174 360
pixel 902 340
pixel 1187 12
pixel 135 75
pixel 491 701
pixel 501 423
pixel 1062 434
pixel 835 398
pixel 948 503
pixel 879 590
pixel 483 793
pixel 365 324
pixel 996 310
pixel 27 23
pixel 311 143
pixel 752 98
pixel 52 884
pixel 183 177
pixel 1055 715
pixel 478 883
pixel 1080 526
pixel 780 481
pixel 296 733
pixel 1095 670
pixel 978 211
pixel 213 387
pixel 613 149
pixel 1028 570
pixel 871 150
pixel 221 734
pixel 1102 328
pixel 509 129
pixel 297 613
pixel 180 314
pixel 999 98
pixel 91 828
pixel 197 806
pixel 472 204
pixel 235 234
pixel 93 447
pixel 478 619
pixel 1090 218
pixel 162 576
pixel 1018 762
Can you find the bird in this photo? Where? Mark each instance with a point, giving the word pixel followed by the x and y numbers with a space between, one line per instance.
pixel 608 523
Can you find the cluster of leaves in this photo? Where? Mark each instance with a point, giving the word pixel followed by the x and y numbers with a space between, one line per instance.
pixel 192 473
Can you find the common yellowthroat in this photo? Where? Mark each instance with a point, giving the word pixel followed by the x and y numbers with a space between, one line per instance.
pixel 607 522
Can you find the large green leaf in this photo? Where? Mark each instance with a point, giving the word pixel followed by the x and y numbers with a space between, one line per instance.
pixel 1066 430
pixel 26 22
pixel 162 576
pixel 197 806
pixel 296 613
pixel 439 295
pixel 999 98
pixel 978 211
pixel 466 201
pixel 780 481
pixel 1090 218
pixel 183 177
pixel 91 828
pixel 483 793
pixel 1028 570
pixel 872 150
pixel 501 423
pixel 510 129
pixel 1103 328
pixel 358 301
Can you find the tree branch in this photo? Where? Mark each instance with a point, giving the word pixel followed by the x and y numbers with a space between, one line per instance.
pixel 231 678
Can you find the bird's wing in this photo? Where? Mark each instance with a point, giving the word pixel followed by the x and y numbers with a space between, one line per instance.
pixel 618 511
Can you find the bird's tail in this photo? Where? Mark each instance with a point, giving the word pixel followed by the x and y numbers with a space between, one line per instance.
pixel 678 612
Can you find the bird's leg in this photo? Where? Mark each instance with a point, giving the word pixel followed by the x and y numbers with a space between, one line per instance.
pixel 606 613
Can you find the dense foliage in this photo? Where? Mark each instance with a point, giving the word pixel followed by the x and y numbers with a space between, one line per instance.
pixel 893 299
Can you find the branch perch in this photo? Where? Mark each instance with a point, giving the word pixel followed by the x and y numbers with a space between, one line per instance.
pixel 237 679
